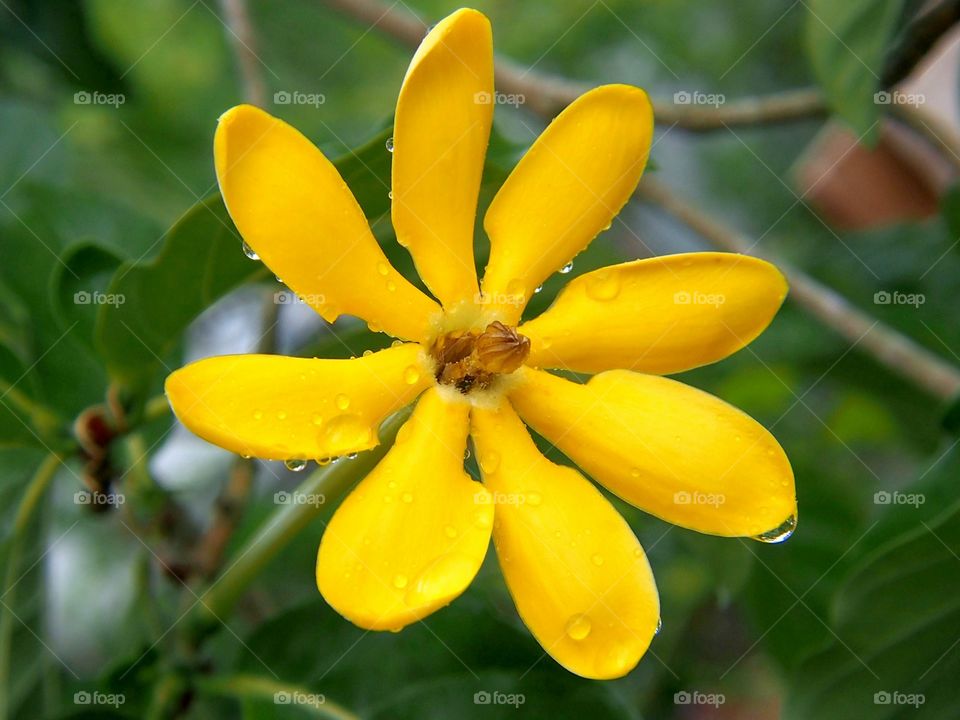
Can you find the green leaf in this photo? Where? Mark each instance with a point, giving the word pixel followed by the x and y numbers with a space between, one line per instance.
pixel 366 170
pixel 847 43
pixel 200 261
pixel 894 628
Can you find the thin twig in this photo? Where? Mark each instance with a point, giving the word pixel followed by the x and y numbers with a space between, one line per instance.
pixel 547 95
pixel 243 41
pixel 894 350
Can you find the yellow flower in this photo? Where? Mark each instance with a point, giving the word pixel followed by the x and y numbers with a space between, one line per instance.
pixel 412 535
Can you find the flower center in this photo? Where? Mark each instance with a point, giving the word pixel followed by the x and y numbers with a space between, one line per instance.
pixel 468 360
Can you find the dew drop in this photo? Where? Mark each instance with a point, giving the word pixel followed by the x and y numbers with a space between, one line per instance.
pixel 382 268
pixel 295 464
pixel 603 285
pixel 411 375
pixel 566 268
pixel 389 144
pixel 534 498
pixel 466 454
pixel 249 252
pixel 538 289
pixel 400 581
pixel 635 473
pixel 343 402
pixel 489 462
pixel 324 461
pixel 597 559
pixel 392 485
pixel 390 195
pixel 391 286
pixel 450 531
pixel 281 415
pixel 318 420
pixel 659 626
pixel 578 627
pixel 277 277
pixel 407 497
pixel 779 533
pixel 258 414
pixel 352 456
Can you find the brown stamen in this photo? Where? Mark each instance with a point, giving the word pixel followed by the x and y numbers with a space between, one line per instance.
pixel 469 360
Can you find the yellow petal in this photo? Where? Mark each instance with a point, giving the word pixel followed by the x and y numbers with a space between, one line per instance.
pixel 277 408
pixel 667 448
pixel 440 138
pixel 412 535
pixel 576 571
pixel 564 191
pixel 293 208
pixel 660 315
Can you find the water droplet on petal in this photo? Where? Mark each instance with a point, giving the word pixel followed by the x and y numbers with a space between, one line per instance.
pixel 603 285
pixel 324 461
pixel 343 402
pixel 258 414
pixel 597 559
pixel 566 268
pixel 779 533
pixel 659 626
pixel 295 464
pixel 534 499
pixel 281 415
pixel 538 289
pixel 318 420
pixel 352 456
pixel 383 268
pixel 635 473
pixel 450 531
pixel 407 497
pixel 389 144
pixel 578 627
pixel 390 195
pixel 489 462
pixel 411 375
pixel 250 252
pixel 466 454
pixel 400 581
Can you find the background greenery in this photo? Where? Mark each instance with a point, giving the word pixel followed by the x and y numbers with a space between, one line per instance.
pixel 864 598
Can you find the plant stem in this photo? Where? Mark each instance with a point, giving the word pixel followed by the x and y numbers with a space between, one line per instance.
pixel 330 482
pixel 243 41
pixel 897 352
pixel 25 512
pixel 262 688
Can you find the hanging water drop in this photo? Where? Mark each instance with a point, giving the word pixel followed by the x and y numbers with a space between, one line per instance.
pixel 780 533
pixel 250 252
pixel 659 626
pixel 538 289
pixel 566 268
pixel 295 464
pixel 400 581
pixel 578 627
pixel 389 144
pixel 343 402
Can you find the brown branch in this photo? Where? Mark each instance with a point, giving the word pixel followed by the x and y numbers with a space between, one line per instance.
pixel 243 41
pixel 894 350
